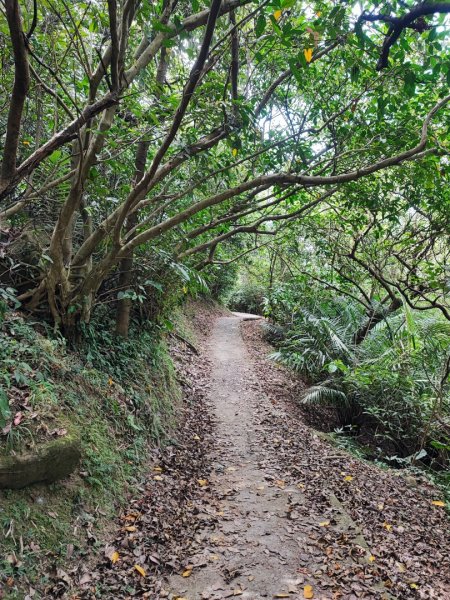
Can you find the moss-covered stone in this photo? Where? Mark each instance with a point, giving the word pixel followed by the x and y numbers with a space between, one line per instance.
pixel 49 462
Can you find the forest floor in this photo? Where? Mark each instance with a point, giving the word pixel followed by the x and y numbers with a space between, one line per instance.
pixel 251 502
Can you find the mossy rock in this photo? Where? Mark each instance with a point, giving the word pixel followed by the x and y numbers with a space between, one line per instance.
pixel 47 463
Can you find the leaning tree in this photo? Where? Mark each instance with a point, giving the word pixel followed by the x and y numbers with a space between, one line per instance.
pixel 133 130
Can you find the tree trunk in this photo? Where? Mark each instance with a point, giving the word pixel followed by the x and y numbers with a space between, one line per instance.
pixel 126 264
pixel 376 317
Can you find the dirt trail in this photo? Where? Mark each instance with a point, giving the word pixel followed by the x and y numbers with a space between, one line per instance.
pixel 261 546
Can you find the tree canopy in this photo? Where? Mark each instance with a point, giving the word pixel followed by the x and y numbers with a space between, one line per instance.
pixel 139 139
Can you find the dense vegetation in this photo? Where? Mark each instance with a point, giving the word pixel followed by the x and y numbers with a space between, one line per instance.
pixel 285 157
pixel 148 149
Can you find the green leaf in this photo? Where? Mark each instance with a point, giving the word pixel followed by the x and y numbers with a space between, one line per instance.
pixel 5 411
pixel 260 25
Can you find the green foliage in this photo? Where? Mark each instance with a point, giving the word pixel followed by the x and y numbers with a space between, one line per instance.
pixel 221 281
pixel 394 384
pixel 119 400
pixel 248 297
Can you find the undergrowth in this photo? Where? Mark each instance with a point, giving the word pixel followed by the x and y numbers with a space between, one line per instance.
pixel 118 396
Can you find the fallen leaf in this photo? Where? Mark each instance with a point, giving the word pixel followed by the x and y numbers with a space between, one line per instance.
pixel 196 438
pixel 130 528
pixel 348 478
pixel 202 482
pixel 387 526
pixel 158 478
pixel 157 469
pixel 186 573
pixel 371 558
pixel 308 591
pixel 282 595
pixel 140 570
pixel 324 523
pixel 114 557
pixel 18 418
pixel 438 503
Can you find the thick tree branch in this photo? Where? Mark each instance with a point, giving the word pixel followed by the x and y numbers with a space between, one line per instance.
pixel 413 19
pixel 19 93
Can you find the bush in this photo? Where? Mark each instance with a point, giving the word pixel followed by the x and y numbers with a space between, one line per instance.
pixel 248 298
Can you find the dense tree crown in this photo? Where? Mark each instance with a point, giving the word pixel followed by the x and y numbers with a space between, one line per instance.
pixel 143 141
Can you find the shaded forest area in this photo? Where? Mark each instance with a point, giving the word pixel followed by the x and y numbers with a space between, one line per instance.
pixel 284 158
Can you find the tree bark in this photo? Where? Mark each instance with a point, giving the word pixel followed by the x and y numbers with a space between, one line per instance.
pixel 126 264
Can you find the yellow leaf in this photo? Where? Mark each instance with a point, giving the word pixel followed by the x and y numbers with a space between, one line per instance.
pixel 371 558
pixel 348 478
pixel 185 290
pixel 110 381
pixel 234 151
pixel 130 528
pixel 277 15
pixel 308 54
pixel 158 478
pixel 140 570
pixel 186 573
pixel 324 523
pixel 157 469
pixel 114 557
pixel 282 595
pixel 308 591
pixel 414 586
pixel 25 143
pixel 202 482
pixel 318 13
pixel 131 517
pixel 387 526
pixel 438 503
